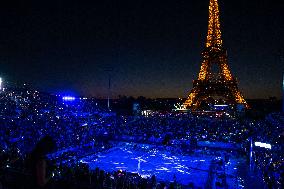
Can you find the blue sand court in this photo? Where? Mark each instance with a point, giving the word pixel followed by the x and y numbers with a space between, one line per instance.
pixel 166 163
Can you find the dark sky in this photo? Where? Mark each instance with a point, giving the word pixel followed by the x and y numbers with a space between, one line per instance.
pixel 153 47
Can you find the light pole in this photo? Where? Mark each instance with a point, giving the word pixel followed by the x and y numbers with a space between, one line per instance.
pixel 283 94
pixel 1 83
pixel 251 155
pixel 109 86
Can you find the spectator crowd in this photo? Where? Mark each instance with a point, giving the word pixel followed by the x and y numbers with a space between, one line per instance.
pixel 80 127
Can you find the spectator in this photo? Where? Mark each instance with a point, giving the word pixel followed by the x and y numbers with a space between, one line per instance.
pixel 40 168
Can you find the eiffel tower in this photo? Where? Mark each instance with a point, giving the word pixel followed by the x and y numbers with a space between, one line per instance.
pixel 215 79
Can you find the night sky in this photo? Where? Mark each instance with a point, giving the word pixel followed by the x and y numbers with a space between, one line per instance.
pixel 153 47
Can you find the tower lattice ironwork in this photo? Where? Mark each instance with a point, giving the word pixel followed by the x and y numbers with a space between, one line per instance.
pixel 219 82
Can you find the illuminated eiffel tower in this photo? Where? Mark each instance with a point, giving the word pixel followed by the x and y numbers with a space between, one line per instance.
pixel 214 83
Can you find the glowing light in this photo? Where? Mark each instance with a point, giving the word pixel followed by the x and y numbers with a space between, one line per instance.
pixel 68 98
pixel 190 99
pixel 214 31
pixel 179 106
pixel 221 105
pixel 263 145
pixel 203 71
pixel 226 72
